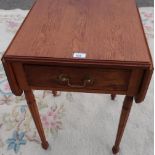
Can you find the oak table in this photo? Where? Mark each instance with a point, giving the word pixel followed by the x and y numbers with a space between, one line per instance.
pixel 95 46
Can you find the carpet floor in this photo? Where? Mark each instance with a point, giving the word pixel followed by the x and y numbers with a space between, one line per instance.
pixel 74 123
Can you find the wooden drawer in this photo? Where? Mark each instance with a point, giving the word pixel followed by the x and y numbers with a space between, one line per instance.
pixel 77 78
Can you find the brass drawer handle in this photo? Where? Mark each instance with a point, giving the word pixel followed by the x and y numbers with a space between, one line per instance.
pixel 65 79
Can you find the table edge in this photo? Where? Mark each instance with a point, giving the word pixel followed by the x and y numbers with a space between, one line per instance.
pixel 71 61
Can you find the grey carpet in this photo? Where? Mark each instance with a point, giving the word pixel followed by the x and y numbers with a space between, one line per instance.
pixel 26 4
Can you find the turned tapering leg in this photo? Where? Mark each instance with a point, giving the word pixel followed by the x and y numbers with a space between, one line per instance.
pixel 113 96
pixel 36 117
pixel 127 104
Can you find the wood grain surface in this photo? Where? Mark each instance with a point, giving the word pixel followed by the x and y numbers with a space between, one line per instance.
pixel 104 30
pixel 102 79
pixel 110 32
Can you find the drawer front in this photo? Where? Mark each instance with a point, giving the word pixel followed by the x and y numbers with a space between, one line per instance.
pixel 77 78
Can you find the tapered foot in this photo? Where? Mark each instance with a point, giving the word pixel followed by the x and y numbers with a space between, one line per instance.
pixel 127 104
pixel 45 145
pixel 36 117
pixel 113 96
pixel 115 150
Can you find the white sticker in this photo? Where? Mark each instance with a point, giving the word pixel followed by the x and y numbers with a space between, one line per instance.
pixel 79 55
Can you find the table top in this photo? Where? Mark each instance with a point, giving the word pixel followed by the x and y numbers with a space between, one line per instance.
pixel 104 30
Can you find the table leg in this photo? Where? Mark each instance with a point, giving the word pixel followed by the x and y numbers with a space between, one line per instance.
pixel 55 93
pixel 127 104
pixel 113 96
pixel 36 117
